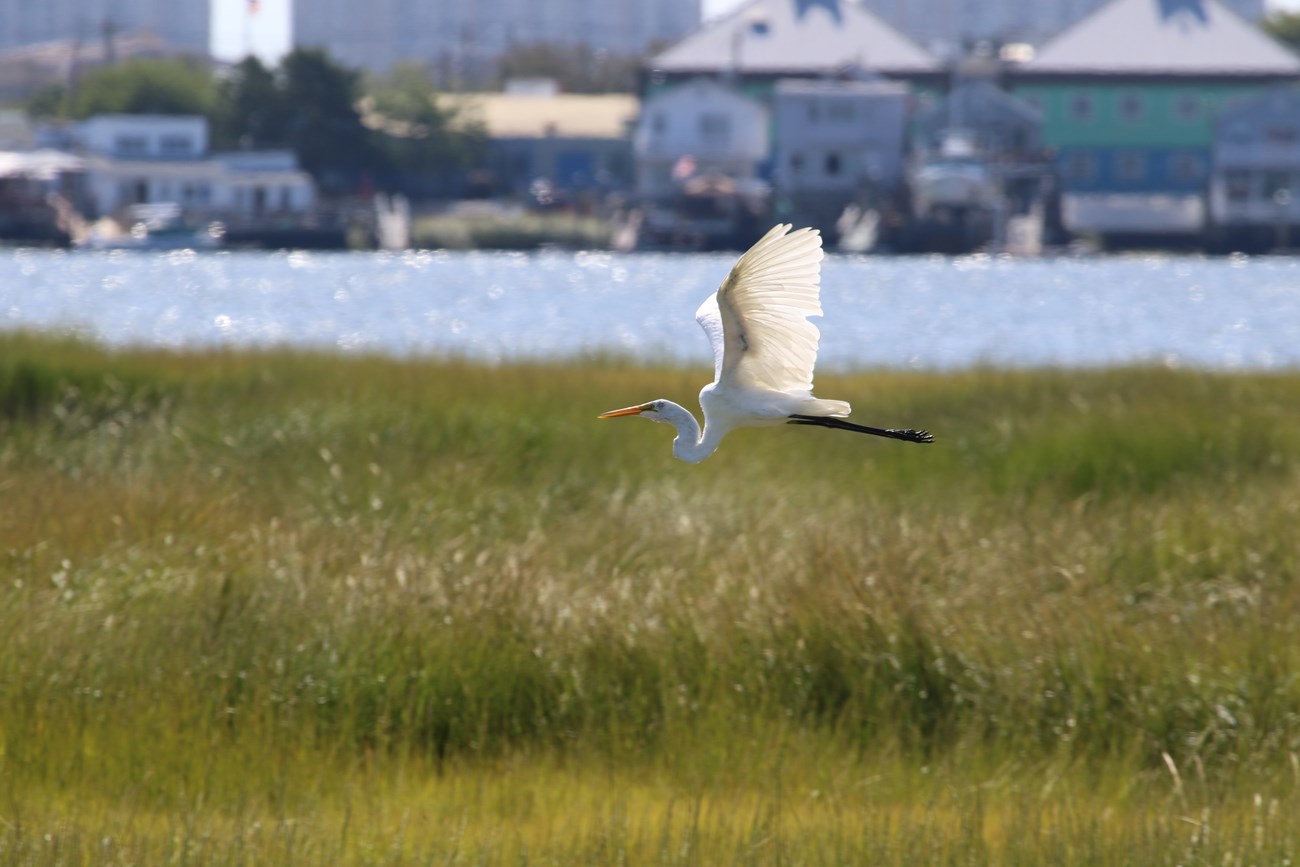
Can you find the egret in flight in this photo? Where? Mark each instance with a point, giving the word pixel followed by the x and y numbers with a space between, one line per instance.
pixel 764 349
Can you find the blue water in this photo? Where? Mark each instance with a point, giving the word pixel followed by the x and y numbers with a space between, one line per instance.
pixel 928 313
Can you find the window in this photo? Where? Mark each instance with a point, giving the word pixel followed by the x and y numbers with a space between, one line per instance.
pixel 1131 107
pixel 1081 107
pixel 1187 107
pixel 1237 183
pixel 1188 167
pixel 1277 186
pixel 131 145
pixel 176 145
pixel 1130 166
pixel 839 111
pixel 195 193
pixel 715 128
pixel 1280 134
pixel 1080 167
pixel 833 163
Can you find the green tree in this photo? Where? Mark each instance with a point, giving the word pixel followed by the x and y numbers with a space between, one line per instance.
pixel 145 86
pixel 325 128
pixel 252 109
pixel 50 101
pixel 413 131
pixel 1285 28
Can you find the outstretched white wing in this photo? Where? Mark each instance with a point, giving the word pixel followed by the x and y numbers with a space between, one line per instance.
pixel 758 319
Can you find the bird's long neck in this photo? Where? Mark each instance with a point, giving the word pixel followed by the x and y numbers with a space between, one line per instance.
pixel 691 445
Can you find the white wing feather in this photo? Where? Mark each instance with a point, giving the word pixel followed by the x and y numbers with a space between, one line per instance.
pixel 758 322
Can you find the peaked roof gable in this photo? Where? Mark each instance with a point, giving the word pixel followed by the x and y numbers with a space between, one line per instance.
pixel 793 37
pixel 1163 37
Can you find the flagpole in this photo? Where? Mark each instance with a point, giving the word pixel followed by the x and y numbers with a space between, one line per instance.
pixel 250 9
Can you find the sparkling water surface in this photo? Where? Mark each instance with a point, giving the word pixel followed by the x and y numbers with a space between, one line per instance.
pixel 926 313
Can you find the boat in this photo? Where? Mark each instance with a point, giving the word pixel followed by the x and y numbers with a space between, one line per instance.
pixel 154 226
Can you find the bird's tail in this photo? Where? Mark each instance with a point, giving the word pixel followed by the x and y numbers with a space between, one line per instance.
pixel 820 407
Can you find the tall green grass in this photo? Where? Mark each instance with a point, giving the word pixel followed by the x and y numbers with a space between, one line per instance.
pixel 273 607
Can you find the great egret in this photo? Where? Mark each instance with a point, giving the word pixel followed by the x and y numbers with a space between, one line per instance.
pixel 764 349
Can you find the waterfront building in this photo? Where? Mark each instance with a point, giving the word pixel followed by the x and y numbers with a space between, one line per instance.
pixel 547 141
pixel 164 159
pixel 1129 98
pixel 1254 198
pixel 836 143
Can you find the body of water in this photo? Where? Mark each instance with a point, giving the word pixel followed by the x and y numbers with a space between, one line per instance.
pixel 929 313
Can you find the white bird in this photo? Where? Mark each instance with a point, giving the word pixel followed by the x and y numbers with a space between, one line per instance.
pixel 764 349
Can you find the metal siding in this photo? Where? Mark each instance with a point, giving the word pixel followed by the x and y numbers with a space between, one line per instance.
pixel 1159 176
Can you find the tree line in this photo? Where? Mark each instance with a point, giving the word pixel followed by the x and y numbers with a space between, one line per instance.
pixel 348 130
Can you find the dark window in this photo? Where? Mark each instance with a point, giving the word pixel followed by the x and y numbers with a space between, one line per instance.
pixel 1131 107
pixel 1130 166
pixel 1188 167
pixel 1081 106
pixel 1238 185
pixel 1277 185
pixel 176 145
pixel 1279 134
pixel 1080 167
pixel 715 128
pixel 132 145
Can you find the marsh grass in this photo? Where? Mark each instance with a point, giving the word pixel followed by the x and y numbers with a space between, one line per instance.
pixel 273 607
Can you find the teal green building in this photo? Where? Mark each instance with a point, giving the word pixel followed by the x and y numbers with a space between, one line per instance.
pixel 1129 98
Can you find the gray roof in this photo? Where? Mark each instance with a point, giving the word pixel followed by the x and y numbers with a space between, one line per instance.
pixel 793 37
pixel 1164 37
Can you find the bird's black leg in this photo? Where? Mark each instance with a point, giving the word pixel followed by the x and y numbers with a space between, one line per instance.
pixel 907 435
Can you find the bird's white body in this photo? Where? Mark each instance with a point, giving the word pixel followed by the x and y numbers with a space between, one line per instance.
pixel 764 349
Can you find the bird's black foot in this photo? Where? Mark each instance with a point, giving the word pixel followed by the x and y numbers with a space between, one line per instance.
pixel 913 436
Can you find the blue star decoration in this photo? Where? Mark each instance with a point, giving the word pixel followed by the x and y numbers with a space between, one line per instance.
pixel 1196 8
pixel 832 8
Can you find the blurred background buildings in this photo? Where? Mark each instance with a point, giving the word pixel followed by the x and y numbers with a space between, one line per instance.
pixel 894 124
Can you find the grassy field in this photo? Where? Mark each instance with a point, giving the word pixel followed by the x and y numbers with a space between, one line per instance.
pixel 276 608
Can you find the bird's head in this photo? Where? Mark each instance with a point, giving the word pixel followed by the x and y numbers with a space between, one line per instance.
pixel 654 411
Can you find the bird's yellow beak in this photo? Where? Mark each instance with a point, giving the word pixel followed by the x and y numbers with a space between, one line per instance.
pixel 627 410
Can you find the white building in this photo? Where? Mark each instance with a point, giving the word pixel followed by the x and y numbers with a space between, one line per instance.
pixel 134 136
pixel 183 24
pixel 1254 190
pixel 459 40
pixel 700 128
pixel 836 136
pixel 150 159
